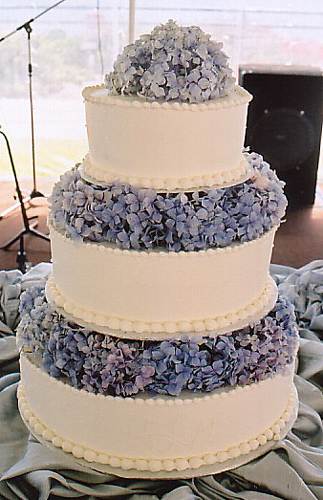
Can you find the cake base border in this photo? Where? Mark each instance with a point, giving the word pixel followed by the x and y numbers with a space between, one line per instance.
pixel 268 299
pixel 203 470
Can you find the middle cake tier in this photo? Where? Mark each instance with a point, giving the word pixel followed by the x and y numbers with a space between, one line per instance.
pixel 149 294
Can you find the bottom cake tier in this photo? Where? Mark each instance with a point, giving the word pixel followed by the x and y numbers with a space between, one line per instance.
pixel 156 433
pixel 176 408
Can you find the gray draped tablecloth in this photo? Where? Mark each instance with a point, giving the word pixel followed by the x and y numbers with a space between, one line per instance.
pixel 292 470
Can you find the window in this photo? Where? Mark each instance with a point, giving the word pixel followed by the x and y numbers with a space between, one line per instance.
pixel 66 57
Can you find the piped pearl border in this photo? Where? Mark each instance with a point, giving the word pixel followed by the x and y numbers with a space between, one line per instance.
pixel 163 253
pixel 187 398
pixel 99 94
pixel 130 328
pixel 275 432
pixel 100 175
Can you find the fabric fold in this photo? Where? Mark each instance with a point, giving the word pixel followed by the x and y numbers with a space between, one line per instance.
pixel 293 469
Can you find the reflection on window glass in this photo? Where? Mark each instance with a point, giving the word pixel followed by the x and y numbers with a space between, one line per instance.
pixel 66 58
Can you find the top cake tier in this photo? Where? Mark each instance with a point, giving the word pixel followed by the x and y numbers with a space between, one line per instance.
pixel 165 145
pixel 169 115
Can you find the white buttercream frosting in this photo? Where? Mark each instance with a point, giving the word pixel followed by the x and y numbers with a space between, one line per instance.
pixel 157 293
pixel 97 174
pixel 226 423
pixel 166 145
pixel 99 94
pixel 127 328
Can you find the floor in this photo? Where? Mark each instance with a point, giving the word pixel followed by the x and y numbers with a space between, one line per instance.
pixel 299 240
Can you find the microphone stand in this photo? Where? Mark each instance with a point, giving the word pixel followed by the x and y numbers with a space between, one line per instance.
pixel 35 193
pixel 27 227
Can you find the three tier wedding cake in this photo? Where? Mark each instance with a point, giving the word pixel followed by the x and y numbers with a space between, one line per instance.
pixel 160 346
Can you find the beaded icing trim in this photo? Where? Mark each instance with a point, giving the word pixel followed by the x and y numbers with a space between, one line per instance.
pixel 110 365
pixel 98 94
pixel 134 218
pixel 131 328
pixel 219 179
pixel 275 432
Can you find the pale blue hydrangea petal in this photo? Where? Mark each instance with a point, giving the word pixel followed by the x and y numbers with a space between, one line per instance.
pixel 172 62
pixel 109 365
pixel 142 218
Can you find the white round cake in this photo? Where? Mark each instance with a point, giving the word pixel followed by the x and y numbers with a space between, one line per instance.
pixel 156 132
pixel 160 346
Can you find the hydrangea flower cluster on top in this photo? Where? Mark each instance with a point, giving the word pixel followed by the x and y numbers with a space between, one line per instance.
pixel 108 365
pixel 144 219
pixel 172 62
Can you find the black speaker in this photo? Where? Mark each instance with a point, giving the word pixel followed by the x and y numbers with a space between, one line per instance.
pixel 285 123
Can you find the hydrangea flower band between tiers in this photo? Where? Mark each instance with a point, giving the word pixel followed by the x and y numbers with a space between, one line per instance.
pixel 138 218
pixel 172 63
pixel 112 366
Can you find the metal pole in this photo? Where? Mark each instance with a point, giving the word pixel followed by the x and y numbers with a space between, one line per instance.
pixel 98 28
pixel 132 21
pixel 31 103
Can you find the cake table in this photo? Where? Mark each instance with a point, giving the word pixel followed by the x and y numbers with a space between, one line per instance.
pixel 292 469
